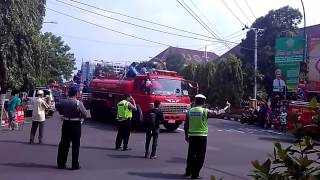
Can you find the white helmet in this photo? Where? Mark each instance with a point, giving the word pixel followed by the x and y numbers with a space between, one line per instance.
pixel 40 92
pixel 201 96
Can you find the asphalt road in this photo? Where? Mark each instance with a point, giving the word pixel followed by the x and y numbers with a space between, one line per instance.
pixel 231 147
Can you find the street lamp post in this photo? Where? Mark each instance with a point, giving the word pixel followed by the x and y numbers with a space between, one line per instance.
pixel 304 32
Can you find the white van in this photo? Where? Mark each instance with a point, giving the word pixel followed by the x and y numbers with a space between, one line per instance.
pixel 47 96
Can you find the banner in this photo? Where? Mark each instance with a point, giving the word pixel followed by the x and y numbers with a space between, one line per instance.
pixel 290 74
pixel 289 49
pixel 314 63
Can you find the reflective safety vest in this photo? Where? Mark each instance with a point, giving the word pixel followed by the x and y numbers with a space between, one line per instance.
pixel 198 121
pixel 123 112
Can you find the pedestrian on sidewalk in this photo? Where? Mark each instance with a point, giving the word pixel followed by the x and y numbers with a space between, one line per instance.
pixel 73 112
pixel 12 106
pixel 152 129
pixel 124 116
pixel 196 132
pixel 38 116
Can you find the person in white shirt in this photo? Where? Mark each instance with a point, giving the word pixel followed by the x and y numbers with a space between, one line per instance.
pixel 38 116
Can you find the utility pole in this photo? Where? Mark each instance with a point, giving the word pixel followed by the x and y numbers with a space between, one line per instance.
pixel 255 61
pixel 256 31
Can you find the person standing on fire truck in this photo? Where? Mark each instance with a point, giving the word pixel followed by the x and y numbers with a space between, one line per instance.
pixel 196 132
pixel 124 115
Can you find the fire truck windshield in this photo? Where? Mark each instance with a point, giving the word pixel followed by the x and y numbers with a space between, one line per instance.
pixel 169 87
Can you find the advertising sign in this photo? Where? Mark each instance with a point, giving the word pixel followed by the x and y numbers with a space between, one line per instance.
pixel 314 63
pixel 289 49
pixel 290 75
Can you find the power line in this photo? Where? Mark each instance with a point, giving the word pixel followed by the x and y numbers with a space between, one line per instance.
pixel 232 34
pixel 250 9
pixel 196 17
pixel 140 19
pixel 202 14
pixel 105 42
pixel 217 39
pixel 109 29
pixel 126 22
pixel 226 5
pixel 245 15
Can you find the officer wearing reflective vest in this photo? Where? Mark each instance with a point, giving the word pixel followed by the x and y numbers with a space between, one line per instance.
pixel 196 132
pixel 72 111
pixel 124 116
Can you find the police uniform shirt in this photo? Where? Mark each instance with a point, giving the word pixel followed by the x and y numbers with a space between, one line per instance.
pixel 68 108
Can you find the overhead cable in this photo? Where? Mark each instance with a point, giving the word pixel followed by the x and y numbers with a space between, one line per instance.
pixel 230 10
pixel 191 12
pixel 109 29
pixel 140 19
pixel 250 9
pixel 126 22
pixel 245 15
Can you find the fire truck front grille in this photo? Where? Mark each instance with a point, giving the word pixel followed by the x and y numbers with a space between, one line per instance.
pixel 173 108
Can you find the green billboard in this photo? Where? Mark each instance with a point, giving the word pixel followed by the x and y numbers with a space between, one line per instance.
pixel 289 49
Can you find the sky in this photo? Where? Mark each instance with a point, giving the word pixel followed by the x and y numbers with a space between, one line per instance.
pixel 92 35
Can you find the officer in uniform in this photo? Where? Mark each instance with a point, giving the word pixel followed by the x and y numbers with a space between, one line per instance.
pixel 124 115
pixel 196 132
pixel 72 111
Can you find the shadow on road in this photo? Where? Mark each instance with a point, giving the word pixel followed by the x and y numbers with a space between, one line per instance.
pixel 156 175
pixel 29 165
pixel 278 139
pixel 177 160
pixel 227 173
pixel 56 145
pixel 124 156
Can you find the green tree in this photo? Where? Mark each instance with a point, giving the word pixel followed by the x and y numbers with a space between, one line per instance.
pixel 275 23
pixel 21 52
pixel 61 61
pixel 227 83
pixel 189 72
pixel 175 62
pixel 204 76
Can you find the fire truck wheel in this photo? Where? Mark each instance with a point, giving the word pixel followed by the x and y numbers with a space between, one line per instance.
pixel 171 126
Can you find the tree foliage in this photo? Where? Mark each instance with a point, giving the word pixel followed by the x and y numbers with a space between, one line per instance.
pixel 227 84
pixel 175 62
pixel 204 75
pixel 219 82
pixel 61 61
pixel 275 23
pixel 21 52
pixel 27 57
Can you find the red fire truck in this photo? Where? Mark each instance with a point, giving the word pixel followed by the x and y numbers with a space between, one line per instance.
pixel 306 115
pixel 173 91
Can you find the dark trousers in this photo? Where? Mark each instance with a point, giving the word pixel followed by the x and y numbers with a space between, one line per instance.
pixel 71 132
pixel 154 135
pixel 196 155
pixel 123 134
pixel 34 128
